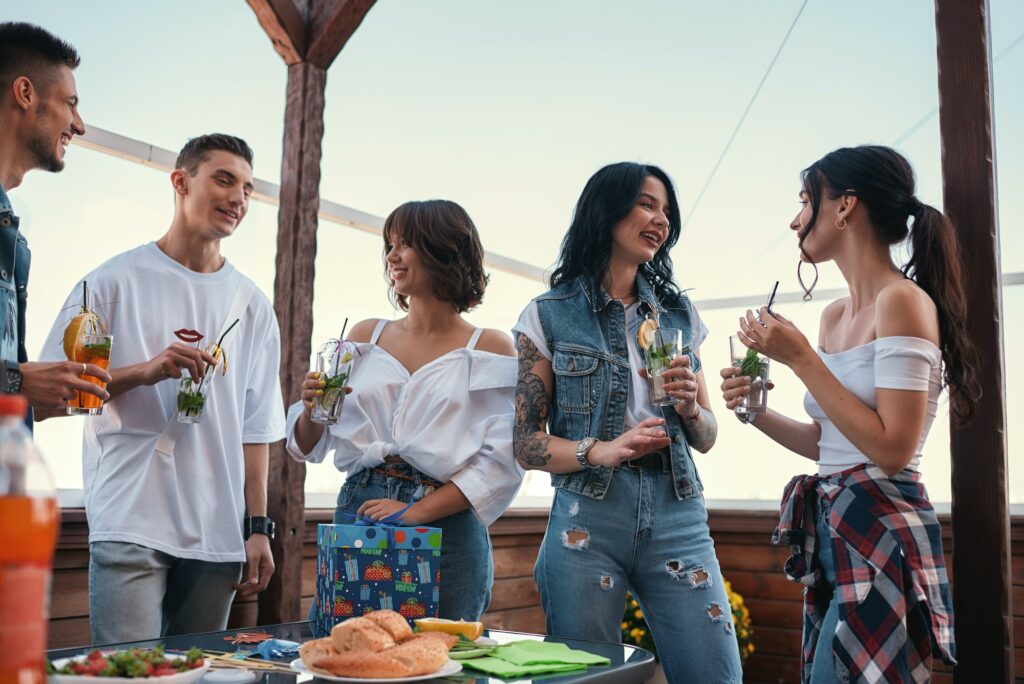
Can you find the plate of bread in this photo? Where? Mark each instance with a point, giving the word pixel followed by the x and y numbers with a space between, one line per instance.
pixel 379 647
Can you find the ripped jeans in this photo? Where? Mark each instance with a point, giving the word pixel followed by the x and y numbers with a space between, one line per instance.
pixel 642 538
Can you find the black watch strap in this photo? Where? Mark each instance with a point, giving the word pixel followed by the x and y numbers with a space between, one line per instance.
pixel 258 525
pixel 10 383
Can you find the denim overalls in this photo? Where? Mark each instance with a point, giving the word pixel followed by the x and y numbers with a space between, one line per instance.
pixel 639 529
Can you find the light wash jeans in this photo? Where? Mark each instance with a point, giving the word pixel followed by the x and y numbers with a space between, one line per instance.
pixel 823 669
pixel 137 593
pixel 467 569
pixel 642 538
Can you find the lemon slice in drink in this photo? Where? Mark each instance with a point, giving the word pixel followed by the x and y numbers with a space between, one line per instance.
pixel 471 630
pixel 85 323
pixel 645 333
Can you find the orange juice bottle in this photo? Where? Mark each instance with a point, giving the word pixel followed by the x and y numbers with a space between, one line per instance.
pixel 29 519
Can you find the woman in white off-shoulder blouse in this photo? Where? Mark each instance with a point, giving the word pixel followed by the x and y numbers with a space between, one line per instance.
pixel 429 419
pixel 883 355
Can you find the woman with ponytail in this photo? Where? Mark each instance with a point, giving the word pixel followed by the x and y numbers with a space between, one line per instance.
pixel 867 544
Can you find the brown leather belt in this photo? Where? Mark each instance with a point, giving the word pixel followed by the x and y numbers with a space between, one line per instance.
pixel 404 474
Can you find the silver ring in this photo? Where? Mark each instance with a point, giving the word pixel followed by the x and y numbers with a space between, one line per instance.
pixel 85 369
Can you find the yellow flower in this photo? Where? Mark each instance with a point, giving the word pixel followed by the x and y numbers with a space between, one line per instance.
pixel 638 615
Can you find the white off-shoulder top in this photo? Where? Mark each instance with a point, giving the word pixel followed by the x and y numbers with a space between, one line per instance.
pixel 451 419
pixel 904 363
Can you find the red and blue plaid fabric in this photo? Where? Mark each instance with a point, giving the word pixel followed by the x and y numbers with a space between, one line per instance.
pixel 895 609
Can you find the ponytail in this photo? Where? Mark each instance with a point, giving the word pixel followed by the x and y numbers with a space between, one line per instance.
pixel 935 267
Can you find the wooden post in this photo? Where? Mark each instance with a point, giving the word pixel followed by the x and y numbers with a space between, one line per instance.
pixel 293 287
pixel 981 524
pixel 308 34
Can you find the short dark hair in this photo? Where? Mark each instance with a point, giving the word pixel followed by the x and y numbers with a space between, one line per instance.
pixel 197 150
pixel 32 51
pixel 447 243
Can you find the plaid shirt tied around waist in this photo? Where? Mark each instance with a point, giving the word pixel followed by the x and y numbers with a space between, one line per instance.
pixel 895 608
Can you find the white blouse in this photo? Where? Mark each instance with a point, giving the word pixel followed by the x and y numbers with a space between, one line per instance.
pixel 904 363
pixel 451 419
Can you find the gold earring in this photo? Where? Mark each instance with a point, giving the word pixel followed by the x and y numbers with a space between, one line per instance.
pixel 841 224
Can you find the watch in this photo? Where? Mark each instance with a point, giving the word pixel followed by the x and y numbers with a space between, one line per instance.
pixel 11 381
pixel 582 449
pixel 258 525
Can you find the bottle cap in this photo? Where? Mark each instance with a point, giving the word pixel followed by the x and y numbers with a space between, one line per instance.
pixel 13 405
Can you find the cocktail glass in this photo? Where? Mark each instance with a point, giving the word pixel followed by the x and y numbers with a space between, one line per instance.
pixel 666 344
pixel 92 348
pixel 755 366
pixel 192 393
pixel 334 363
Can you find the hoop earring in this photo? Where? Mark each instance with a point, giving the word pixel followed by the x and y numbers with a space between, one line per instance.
pixel 799 276
pixel 841 227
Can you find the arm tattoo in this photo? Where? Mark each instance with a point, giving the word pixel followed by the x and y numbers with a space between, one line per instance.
pixel 530 441
pixel 702 431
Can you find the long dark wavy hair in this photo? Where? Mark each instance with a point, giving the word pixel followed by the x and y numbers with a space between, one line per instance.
pixel 883 180
pixel 608 196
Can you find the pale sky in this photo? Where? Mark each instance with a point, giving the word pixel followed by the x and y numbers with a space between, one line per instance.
pixel 508 108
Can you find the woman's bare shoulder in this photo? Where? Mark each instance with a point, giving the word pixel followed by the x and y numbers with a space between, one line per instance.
pixel 903 309
pixel 363 330
pixel 496 342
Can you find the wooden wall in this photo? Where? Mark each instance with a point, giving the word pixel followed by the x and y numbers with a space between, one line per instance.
pixel 748 561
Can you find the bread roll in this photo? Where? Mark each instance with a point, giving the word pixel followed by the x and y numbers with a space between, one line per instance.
pixel 396 625
pixel 448 640
pixel 363 665
pixel 421 655
pixel 318 648
pixel 360 634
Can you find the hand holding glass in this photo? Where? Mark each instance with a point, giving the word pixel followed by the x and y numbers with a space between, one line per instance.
pixel 94 349
pixel 666 344
pixel 755 366
pixel 334 363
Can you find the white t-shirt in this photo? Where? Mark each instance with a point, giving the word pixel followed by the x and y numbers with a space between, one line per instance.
pixel 451 420
pixel 638 401
pixel 190 505
pixel 903 363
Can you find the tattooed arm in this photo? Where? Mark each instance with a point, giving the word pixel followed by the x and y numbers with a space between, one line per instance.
pixel 535 449
pixel 701 427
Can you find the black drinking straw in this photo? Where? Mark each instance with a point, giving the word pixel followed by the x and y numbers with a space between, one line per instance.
pixel 206 373
pixel 337 350
pixel 85 295
pixel 771 297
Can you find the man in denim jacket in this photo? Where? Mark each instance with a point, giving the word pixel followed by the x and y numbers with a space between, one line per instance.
pixel 38 118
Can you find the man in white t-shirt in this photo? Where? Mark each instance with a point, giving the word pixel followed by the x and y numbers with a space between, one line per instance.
pixel 175 509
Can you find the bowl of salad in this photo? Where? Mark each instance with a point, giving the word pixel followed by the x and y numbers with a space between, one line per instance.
pixel 131 664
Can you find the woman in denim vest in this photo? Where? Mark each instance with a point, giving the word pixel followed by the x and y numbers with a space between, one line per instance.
pixel 628 512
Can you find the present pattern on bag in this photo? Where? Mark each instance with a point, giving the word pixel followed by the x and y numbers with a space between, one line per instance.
pixel 366 569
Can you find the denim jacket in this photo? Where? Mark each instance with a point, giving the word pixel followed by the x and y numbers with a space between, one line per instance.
pixel 14 263
pixel 585 330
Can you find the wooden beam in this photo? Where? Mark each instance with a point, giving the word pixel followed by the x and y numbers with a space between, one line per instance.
pixel 285 25
pixel 333 24
pixel 981 525
pixel 293 303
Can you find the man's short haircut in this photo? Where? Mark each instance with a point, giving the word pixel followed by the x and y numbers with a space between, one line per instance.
pixel 197 150
pixel 28 50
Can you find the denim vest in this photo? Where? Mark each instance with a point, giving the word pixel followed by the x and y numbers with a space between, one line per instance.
pixel 14 263
pixel 585 330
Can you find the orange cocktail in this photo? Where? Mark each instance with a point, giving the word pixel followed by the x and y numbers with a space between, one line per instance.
pixel 93 349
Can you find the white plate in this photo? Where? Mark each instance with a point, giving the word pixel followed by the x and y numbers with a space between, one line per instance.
pixel 186 677
pixel 486 641
pixel 449 669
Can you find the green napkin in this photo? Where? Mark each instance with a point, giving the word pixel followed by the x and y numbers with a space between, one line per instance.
pixel 520 658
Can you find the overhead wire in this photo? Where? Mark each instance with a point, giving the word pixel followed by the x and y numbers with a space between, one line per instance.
pixel 743 117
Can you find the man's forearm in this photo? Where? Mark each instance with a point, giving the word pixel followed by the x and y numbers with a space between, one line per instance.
pixel 124 379
pixel 257 464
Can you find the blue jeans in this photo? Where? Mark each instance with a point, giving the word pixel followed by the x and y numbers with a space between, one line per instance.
pixel 823 669
pixel 642 538
pixel 138 593
pixel 467 569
